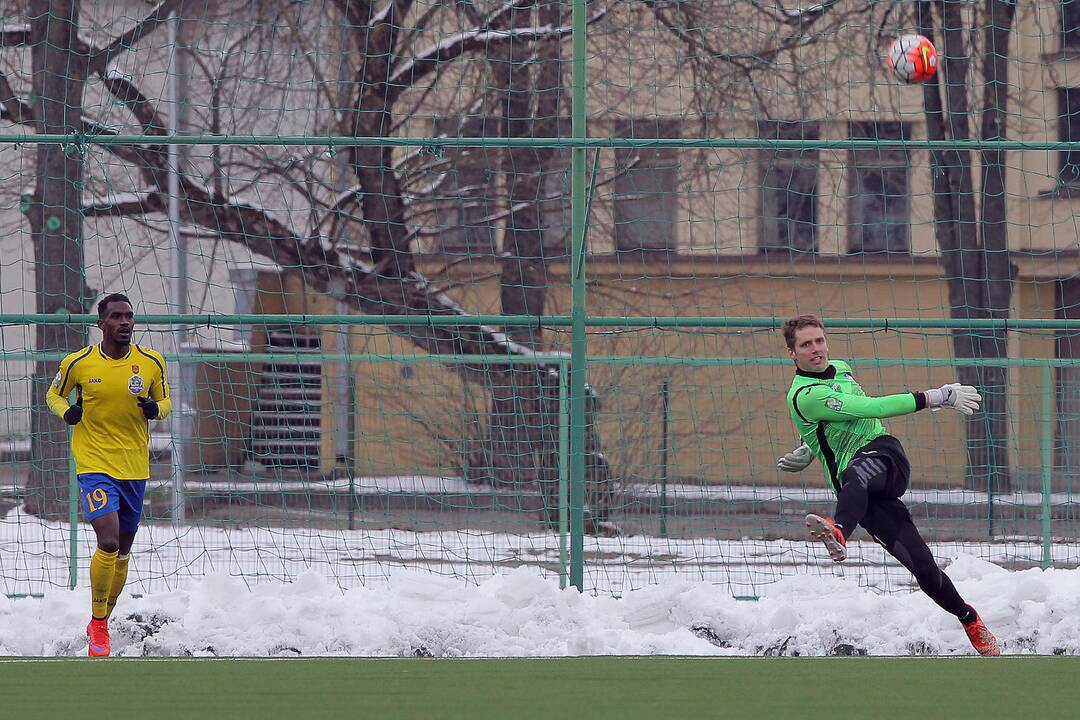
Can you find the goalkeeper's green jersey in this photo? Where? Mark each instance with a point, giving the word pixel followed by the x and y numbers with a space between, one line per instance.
pixel 836 418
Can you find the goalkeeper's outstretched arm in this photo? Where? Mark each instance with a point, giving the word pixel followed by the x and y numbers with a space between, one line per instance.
pixel 820 403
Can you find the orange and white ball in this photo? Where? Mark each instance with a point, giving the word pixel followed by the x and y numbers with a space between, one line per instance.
pixel 912 58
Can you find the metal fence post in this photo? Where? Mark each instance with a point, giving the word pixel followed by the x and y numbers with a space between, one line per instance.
pixel 1047 460
pixel 73 519
pixel 577 305
pixel 564 472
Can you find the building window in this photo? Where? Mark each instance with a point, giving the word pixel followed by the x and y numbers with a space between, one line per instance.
pixel 879 181
pixel 646 194
pixel 1070 23
pixel 555 206
pixel 789 191
pixel 1069 131
pixel 466 204
pixel 463 199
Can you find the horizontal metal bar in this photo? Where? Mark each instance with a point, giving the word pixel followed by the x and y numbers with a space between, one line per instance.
pixel 497 360
pixel 658 321
pixel 344 141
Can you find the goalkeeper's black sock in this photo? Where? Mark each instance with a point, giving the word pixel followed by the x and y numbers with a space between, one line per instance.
pixel 969 615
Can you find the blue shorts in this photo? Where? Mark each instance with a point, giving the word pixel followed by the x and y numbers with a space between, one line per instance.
pixel 101 495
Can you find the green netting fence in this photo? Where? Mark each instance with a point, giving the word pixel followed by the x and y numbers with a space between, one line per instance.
pixel 482 285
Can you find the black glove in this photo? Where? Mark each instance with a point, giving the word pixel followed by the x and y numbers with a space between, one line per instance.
pixel 73 415
pixel 149 407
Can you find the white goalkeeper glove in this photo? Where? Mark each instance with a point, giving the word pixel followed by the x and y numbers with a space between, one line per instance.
pixel 962 398
pixel 797 460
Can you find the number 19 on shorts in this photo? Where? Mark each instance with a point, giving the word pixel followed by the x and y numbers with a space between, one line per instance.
pixel 96 499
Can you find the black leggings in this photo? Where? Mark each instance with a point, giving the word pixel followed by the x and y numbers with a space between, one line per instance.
pixel 869 496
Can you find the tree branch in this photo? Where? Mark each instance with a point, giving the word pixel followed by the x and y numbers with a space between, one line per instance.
pixel 455 46
pixel 15 36
pixel 11 108
pixel 357 12
pixel 133 99
pixel 801 17
pixel 121 205
pixel 801 20
pixel 100 58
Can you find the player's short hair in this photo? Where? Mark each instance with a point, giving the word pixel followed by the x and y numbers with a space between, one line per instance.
pixel 798 323
pixel 103 306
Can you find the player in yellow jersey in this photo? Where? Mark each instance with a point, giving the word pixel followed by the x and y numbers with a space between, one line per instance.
pixel 119 387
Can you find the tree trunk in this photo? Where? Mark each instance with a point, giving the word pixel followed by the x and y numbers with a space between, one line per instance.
pixel 973 269
pixel 527 103
pixel 995 241
pixel 56 231
pixel 382 202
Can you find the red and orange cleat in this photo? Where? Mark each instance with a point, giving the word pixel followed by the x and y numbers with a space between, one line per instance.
pixel 98 631
pixel 981 638
pixel 828 532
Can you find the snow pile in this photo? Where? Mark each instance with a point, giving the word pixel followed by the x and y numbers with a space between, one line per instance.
pixel 520 613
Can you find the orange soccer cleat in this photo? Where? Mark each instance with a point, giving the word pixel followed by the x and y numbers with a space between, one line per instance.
pixel 981 638
pixel 828 532
pixel 98 631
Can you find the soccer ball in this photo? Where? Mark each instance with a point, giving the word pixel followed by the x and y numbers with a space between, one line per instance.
pixel 912 58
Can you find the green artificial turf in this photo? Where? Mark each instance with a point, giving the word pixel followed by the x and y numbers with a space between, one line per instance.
pixel 516 689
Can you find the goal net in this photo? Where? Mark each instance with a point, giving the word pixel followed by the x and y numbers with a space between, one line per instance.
pixel 435 296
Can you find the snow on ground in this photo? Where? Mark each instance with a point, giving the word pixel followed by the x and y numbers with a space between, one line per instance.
pixel 282 592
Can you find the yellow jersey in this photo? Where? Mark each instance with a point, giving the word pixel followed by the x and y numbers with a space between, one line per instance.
pixel 113 436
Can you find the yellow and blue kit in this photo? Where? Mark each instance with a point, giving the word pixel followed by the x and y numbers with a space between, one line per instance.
pixel 113 437
pixel 111 443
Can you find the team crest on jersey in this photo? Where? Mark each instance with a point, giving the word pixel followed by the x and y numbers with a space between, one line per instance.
pixel 134 369
pixel 834 404
pixel 135 384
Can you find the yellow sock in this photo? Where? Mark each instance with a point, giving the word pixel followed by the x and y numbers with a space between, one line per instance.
pixel 119 578
pixel 102 570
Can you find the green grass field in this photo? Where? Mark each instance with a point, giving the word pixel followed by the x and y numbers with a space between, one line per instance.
pixel 516 689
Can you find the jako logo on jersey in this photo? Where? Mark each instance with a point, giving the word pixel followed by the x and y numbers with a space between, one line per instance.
pixel 135 384
pixel 834 404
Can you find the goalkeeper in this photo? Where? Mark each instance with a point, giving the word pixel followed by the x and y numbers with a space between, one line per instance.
pixel 119 388
pixel 866 466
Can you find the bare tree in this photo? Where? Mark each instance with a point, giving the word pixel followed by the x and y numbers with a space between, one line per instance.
pixel 357 241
